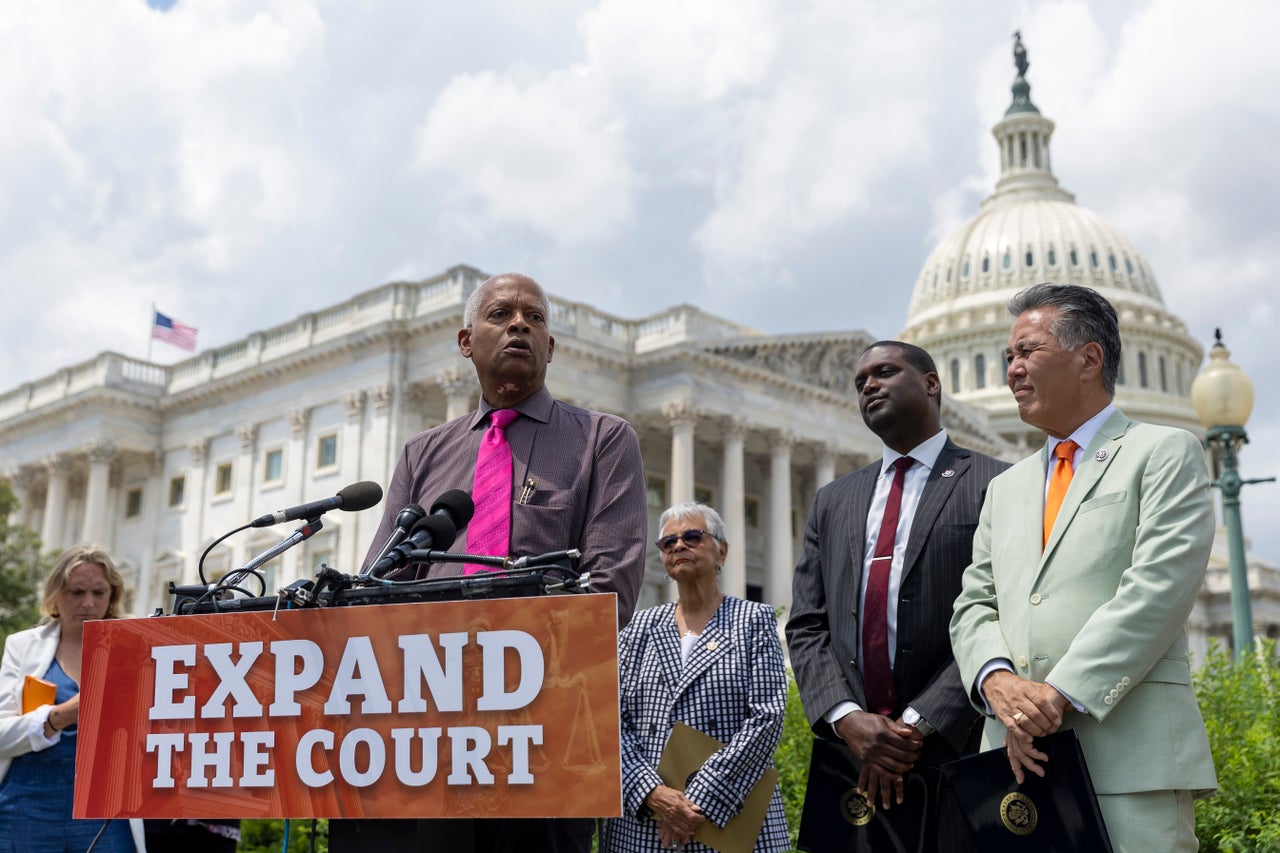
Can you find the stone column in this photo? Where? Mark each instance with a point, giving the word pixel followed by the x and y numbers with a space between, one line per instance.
pixel 349 463
pixel 824 470
pixel 242 494
pixel 682 418
pixel 361 451
pixel 95 497
pixel 295 477
pixel 733 508
pixel 153 493
pixel 193 511
pixel 412 418
pixel 777 590
pixel 460 391
pixel 21 480
pixel 55 502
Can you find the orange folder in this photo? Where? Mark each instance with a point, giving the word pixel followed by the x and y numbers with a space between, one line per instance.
pixel 36 692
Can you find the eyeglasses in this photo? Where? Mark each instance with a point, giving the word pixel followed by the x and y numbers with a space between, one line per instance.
pixel 689 537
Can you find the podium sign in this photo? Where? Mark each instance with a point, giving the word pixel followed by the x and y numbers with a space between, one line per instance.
pixel 482 708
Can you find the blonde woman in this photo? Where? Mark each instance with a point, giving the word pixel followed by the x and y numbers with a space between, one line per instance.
pixel 38 748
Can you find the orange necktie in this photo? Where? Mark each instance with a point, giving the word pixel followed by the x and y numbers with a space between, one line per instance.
pixel 1058 484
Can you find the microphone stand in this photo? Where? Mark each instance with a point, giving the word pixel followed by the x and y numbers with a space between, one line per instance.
pixel 213 592
pixel 303 533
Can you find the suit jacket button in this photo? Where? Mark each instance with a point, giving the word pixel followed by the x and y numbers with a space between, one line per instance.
pixel 1022 661
pixel 653 728
pixel 1107 700
pixel 1125 680
pixel 1035 598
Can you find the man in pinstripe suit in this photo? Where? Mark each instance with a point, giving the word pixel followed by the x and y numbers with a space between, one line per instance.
pixel 892 737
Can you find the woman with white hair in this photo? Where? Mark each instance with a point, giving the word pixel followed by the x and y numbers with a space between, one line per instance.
pixel 713 662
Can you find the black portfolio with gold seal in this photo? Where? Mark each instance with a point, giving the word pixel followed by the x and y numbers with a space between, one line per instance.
pixel 1056 813
pixel 837 819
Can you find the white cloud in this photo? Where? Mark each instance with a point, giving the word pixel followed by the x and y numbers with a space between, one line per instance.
pixel 827 140
pixel 546 152
pixel 674 48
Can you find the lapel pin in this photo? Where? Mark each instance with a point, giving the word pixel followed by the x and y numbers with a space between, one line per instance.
pixel 1101 456
pixel 712 646
pixel 949 473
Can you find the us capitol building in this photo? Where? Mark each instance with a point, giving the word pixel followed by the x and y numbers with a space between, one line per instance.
pixel 156 462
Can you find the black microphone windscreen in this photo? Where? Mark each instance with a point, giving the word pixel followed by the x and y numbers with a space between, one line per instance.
pixel 442 532
pixel 457 504
pixel 409 516
pixel 358 496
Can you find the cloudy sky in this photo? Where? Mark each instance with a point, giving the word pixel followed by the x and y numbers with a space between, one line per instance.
pixel 785 164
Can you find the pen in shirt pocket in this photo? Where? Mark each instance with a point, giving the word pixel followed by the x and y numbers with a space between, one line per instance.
pixel 527 492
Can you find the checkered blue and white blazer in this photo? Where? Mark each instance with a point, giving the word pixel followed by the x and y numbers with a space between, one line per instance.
pixel 734 688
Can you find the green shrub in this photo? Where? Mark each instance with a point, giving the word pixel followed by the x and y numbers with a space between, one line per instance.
pixel 1240 702
pixel 267 836
pixel 792 757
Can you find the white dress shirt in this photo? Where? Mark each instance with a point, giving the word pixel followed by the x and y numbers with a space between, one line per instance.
pixel 926 456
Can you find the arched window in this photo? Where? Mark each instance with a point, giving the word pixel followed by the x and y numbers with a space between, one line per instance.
pixel 1053 257
pixel 965 271
pixel 955 376
pixel 1164 377
pixel 1030 258
pixel 986 263
pixel 1142 370
pixel 1093 258
pixel 979 371
pixel 1075 258
pixel 1008 259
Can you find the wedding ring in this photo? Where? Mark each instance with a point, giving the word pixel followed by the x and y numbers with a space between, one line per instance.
pixel 1017 719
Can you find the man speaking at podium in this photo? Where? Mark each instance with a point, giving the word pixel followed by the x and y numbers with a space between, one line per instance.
pixel 545 476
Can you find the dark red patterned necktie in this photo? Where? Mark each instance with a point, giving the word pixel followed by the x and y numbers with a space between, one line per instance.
pixel 877 672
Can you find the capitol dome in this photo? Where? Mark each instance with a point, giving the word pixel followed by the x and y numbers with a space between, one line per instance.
pixel 1029 231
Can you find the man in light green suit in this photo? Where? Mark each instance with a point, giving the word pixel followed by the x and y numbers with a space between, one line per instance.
pixel 1080 621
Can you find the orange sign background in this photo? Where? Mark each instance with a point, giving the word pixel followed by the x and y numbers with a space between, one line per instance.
pixel 575 771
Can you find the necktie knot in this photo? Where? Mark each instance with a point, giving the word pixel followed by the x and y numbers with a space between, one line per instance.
pixel 901 464
pixel 1066 450
pixel 502 418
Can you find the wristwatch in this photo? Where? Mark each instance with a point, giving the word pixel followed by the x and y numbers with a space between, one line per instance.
pixel 912 718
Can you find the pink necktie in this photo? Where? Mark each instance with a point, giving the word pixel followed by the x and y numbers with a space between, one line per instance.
pixel 877 671
pixel 490 530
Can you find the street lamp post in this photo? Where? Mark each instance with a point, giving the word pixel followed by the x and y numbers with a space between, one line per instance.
pixel 1223 398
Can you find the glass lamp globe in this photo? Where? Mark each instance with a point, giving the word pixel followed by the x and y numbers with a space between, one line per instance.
pixel 1222 394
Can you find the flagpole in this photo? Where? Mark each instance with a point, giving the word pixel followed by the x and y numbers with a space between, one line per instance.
pixel 151 327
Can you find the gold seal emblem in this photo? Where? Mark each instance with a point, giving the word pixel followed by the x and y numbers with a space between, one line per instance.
pixel 1018 814
pixel 855 808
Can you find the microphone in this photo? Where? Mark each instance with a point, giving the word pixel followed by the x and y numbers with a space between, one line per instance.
pixel 457 506
pixel 436 531
pixel 408 517
pixel 351 498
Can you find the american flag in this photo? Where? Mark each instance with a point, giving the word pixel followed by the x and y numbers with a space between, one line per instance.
pixel 170 331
